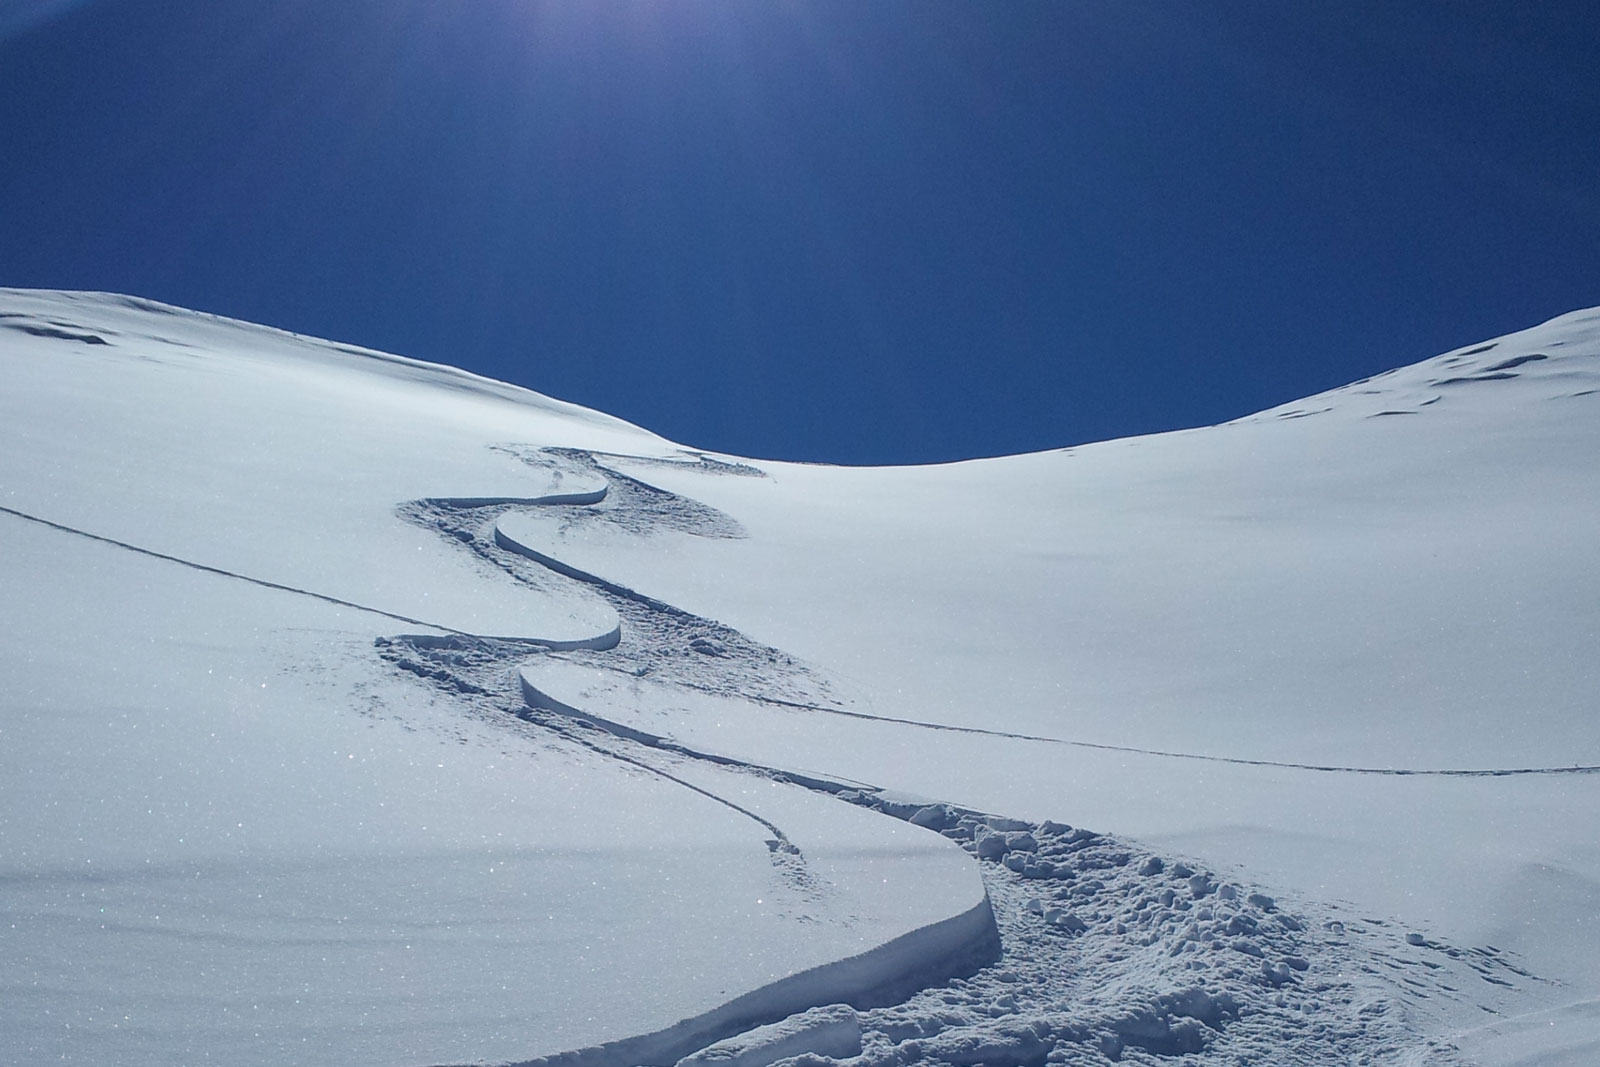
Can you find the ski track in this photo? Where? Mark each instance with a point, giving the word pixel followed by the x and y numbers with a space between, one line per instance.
pixel 1166 754
pixel 1108 953
pixel 778 843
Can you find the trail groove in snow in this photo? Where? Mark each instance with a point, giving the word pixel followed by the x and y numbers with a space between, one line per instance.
pixel 439 513
pixel 781 840
pixel 539 700
pixel 1496 772
pixel 874 978
pixel 566 570
pixel 591 497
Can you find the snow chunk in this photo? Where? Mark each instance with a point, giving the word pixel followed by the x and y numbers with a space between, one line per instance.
pixel 833 1031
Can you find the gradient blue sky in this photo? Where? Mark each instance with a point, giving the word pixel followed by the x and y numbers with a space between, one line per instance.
pixel 856 231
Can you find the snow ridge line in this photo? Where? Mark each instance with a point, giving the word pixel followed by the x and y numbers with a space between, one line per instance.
pixel 1500 772
pixel 601 642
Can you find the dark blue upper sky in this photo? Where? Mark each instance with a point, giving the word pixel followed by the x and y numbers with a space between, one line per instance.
pixel 856 231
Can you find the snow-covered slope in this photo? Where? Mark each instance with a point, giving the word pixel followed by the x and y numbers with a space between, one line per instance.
pixel 233 830
pixel 364 711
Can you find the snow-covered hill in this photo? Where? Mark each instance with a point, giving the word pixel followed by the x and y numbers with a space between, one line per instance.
pixel 361 710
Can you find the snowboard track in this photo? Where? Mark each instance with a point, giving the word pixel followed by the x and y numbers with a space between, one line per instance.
pixel 1107 952
pixel 1327 768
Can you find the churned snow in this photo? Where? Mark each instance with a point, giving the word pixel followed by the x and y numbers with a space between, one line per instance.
pixel 361 710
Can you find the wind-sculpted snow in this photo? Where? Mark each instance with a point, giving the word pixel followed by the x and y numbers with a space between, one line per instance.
pixel 1551 362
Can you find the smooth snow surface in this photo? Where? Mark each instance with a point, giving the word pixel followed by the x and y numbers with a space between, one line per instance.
pixel 364 711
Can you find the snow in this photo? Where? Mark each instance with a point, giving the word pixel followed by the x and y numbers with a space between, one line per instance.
pixel 232 831
pixel 1568 1036
pixel 439 721
pixel 220 456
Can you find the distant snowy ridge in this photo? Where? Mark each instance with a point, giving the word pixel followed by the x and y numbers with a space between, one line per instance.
pixel 1556 356
pixel 37 312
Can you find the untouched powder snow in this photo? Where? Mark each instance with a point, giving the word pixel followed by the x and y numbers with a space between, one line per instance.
pixel 365 711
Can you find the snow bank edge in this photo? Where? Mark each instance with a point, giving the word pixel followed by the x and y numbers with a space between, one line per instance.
pixel 951 948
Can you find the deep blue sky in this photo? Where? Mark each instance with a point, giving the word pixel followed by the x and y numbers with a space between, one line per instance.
pixel 858 231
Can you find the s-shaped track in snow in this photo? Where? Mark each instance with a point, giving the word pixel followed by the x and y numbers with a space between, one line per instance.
pixel 1107 951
